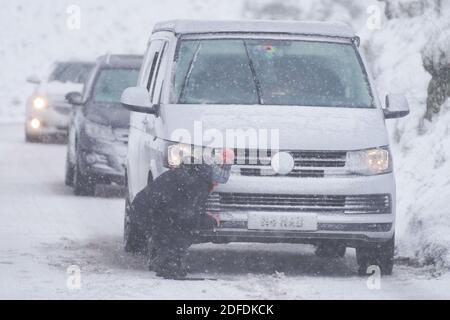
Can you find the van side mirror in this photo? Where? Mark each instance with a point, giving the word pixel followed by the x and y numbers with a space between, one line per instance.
pixel 137 99
pixel 396 106
pixel 74 98
pixel 33 79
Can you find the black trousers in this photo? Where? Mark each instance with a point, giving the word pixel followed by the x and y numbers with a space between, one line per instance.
pixel 171 236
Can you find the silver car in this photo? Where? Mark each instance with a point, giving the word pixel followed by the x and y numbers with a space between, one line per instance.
pixel 296 102
pixel 47 111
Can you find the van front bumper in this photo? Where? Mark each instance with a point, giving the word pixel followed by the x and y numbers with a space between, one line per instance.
pixel 343 224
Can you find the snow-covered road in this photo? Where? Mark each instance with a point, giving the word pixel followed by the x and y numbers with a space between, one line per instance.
pixel 45 229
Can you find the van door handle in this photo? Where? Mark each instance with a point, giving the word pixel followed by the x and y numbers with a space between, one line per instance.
pixel 145 122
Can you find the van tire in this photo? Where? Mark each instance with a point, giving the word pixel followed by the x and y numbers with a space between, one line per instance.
pixel 381 255
pixel 135 239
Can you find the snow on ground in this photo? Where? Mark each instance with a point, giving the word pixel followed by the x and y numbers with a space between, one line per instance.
pixel 45 229
pixel 421 149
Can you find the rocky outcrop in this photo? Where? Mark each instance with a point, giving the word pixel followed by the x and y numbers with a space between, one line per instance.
pixel 436 60
pixel 411 8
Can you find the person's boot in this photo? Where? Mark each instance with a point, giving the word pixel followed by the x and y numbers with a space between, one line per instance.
pixel 170 270
pixel 168 264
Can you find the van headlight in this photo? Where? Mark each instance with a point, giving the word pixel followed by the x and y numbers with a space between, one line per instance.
pixel 369 162
pixel 179 153
pixel 98 131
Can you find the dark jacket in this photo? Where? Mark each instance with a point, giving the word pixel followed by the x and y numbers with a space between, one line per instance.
pixel 178 194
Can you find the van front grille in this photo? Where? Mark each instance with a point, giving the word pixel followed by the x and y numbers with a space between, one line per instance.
pixel 308 164
pixel 294 173
pixel 325 204
pixel 319 159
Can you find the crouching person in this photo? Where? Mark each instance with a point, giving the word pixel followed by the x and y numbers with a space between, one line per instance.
pixel 168 209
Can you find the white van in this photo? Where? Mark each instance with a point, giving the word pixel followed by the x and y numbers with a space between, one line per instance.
pixel 297 103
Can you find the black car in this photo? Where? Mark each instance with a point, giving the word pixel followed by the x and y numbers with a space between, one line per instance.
pixel 99 128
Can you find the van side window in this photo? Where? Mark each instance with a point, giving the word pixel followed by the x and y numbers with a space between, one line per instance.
pixel 151 58
pixel 159 77
pixel 152 70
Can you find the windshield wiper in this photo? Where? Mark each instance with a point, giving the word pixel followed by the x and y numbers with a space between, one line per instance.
pixel 255 78
pixel 188 73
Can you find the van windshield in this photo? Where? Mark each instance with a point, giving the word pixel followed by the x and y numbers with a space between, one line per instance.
pixel 270 72
pixel 111 82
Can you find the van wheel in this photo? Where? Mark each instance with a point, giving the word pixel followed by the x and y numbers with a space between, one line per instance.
pixel 135 238
pixel 69 172
pixel 83 184
pixel 381 255
pixel 327 250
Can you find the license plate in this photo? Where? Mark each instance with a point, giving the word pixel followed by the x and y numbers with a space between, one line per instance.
pixel 276 221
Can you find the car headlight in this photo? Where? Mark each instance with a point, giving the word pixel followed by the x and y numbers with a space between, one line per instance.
pixel 369 162
pixel 35 123
pixel 179 153
pixel 40 102
pixel 98 131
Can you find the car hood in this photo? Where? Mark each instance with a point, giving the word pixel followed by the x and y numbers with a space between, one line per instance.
pixel 108 114
pixel 56 91
pixel 299 128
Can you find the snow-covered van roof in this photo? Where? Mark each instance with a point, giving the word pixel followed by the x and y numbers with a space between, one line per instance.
pixel 330 29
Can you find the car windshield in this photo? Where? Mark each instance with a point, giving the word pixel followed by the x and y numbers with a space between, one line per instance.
pixel 111 83
pixel 270 72
pixel 70 72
